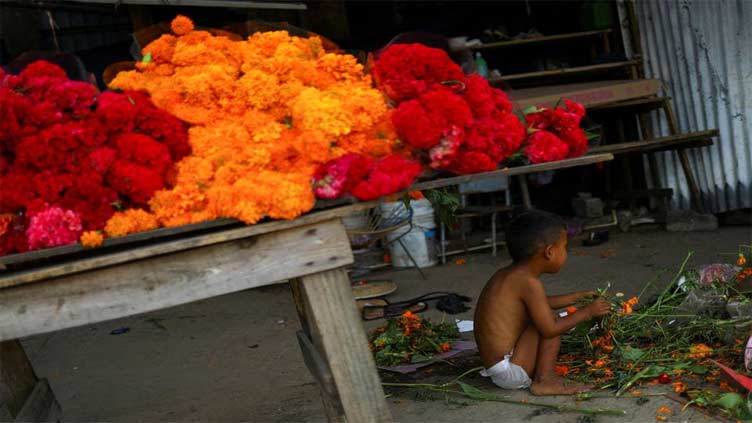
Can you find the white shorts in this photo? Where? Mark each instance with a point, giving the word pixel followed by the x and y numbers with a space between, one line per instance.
pixel 508 375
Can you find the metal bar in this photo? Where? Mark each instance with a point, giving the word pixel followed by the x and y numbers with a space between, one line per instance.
pixel 206 3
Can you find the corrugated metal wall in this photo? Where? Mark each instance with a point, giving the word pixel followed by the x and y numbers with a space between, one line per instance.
pixel 703 52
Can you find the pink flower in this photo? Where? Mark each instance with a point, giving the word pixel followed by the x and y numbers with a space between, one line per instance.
pixel 53 227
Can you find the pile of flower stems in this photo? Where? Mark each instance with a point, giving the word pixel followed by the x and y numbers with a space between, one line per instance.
pixel 660 329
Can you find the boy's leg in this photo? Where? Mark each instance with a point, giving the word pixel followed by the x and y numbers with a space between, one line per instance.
pixel 546 382
pixel 526 350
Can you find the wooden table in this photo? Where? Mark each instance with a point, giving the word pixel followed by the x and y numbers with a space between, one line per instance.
pixel 143 273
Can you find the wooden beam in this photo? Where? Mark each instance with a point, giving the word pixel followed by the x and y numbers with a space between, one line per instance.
pixel 153 250
pixel 17 378
pixel 692 139
pixel 512 171
pixel 168 280
pixel 565 71
pixel 542 39
pixel 332 318
pixel 644 104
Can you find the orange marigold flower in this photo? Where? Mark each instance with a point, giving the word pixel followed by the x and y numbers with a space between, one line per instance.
pixel 571 309
pixel 665 410
pixel 91 239
pixel 600 363
pixel 181 25
pixel 607 348
pixel 699 351
pixel 446 346
pixel 660 417
pixel 679 387
pixel 561 370
pixel 726 387
pixel 460 261
pixel 130 221
pixel 741 260
pixel 608 373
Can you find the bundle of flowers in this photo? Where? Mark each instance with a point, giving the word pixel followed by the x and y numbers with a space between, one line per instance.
pixel 267 112
pixel 410 339
pixel 459 121
pixel 363 177
pixel 69 157
pixel 555 134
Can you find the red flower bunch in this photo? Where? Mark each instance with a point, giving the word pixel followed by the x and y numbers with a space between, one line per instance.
pixel 460 122
pixel 563 123
pixel 69 157
pixel 543 146
pixel 404 71
pixel 363 177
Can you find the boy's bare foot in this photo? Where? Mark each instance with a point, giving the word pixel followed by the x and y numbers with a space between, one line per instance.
pixel 558 386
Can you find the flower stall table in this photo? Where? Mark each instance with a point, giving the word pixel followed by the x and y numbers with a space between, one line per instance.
pixel 48 290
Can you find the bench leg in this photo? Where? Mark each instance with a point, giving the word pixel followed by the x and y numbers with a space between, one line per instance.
pixel 23 398
pixel 525 192
pixel 339 356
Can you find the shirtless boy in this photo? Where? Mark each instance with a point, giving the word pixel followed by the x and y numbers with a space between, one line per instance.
pixel 516 330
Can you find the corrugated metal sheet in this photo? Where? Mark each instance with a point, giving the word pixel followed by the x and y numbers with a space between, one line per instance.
pixel 703 52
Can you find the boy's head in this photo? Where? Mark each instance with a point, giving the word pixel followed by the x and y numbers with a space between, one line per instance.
pixel 538 235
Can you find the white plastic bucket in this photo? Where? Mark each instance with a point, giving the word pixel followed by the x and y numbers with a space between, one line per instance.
pixel 420 240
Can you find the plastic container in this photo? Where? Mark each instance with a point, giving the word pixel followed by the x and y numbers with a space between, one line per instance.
pixel 419 239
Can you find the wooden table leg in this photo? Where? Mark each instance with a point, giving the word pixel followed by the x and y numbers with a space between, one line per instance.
pixel 339 358
pixel 23 398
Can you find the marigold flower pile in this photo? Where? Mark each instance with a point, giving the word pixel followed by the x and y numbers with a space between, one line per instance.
pixel 69 156
pixel 266 113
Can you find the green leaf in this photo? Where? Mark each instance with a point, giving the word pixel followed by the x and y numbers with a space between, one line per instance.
pixel 632 354
pixel 419 358
pixel 697 369
pixel 730 401
pixel 146 59
pixel 475 393
pixel 529 110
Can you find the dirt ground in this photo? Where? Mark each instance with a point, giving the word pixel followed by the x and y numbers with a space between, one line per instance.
pixel 235 357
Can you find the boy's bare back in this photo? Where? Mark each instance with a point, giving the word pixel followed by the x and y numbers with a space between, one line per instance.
pixel 496 332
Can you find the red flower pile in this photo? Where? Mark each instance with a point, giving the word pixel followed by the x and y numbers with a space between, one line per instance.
pixel 556 133
pixel 364 177
pixel 463 124
pixel 69 157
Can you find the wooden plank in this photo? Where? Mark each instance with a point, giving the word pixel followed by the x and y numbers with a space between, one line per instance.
pixel 323 375
pixel 41 406
pixel 154 235
pixel 172 279
pixel 688 140
pixel 589 94
pixel 513 171
pixel 543 39
pixel 94 262
pixel 565 71
pixel 645 104
pixel 342 342
pixel 17 378
pixel 694 189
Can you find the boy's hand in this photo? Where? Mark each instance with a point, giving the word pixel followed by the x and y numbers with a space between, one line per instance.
pixel 584 295
pixel 598 308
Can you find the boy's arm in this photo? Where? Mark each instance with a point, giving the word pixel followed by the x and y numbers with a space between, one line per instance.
pixel 566 300
pixel 540 311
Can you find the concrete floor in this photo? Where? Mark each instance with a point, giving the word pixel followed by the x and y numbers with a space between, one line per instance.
pixel 235 357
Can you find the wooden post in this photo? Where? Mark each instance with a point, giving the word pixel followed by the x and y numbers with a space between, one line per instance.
pixel 327 309
pixel 23 398
pixel 694 189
